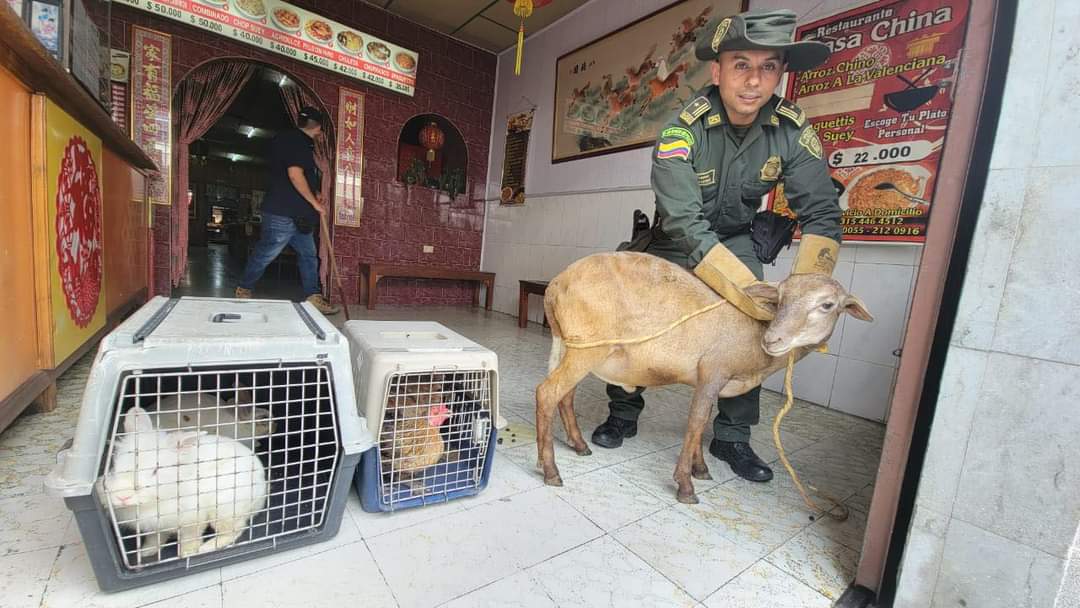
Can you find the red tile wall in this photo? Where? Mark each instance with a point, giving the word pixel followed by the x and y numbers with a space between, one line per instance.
pixel 454 80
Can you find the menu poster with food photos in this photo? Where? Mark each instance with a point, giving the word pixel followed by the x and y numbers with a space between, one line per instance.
pixel 348 202
pixel 297 33
pixel 881 107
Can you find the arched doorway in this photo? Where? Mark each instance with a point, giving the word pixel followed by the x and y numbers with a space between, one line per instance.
pixel 227 111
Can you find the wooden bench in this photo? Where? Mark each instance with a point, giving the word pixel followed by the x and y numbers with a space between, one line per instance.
pixel 526 288
pixel 371 273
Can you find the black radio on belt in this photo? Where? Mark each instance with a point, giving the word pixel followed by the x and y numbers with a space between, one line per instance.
pixel 771 232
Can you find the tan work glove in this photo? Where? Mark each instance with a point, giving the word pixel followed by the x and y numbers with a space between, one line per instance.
pixel 729 277
pixel 817 254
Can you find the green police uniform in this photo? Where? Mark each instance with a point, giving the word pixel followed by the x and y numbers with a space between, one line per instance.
pixel 708 187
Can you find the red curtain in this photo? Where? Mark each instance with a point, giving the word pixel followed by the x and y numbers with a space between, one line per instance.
pixel 296 98
pixel 201 100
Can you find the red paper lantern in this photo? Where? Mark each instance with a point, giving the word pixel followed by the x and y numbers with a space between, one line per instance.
pixel 432 138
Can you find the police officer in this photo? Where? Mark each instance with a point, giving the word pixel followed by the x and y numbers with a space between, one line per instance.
pixel 711 165
pixel 292 211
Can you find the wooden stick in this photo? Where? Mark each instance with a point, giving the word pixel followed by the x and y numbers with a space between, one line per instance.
pixel 334 276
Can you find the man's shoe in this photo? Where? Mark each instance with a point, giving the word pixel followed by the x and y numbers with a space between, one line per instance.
pixel 742 459
pixel 611 433
pixel 322 305
pixel 243 294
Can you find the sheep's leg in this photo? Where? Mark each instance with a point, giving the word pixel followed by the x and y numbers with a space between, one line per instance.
pixel 700 470
pixel 573 367
pixel 569 420
pixel 700 408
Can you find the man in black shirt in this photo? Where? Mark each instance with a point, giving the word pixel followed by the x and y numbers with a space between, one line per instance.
pixel 292 210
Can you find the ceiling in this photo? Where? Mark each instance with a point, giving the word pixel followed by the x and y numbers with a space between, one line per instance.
pixel 243 133
pixel 487 24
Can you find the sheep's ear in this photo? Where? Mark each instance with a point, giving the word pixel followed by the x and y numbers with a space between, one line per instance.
pixel 766 293
pixel 855 307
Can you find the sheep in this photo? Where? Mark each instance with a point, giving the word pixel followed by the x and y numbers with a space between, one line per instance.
pixel 603 307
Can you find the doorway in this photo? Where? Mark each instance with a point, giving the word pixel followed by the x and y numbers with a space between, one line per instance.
pixel 227 182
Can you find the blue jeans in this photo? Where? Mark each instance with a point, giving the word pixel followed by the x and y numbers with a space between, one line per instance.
pixel 277 232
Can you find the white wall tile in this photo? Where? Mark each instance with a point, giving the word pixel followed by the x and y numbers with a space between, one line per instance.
pixel 1021 475
pixel 922 559
pixel 1059 131
pixel 983 569
pixel 988 261
pixel 884 289
pixel 812 380
pixel 902 255
pixel 862 389
pixel 1017 132
pixel 1038 309
pixel 957 400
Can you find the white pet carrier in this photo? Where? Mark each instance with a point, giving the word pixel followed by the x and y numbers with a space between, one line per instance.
pixel 211 431
pixel 431 399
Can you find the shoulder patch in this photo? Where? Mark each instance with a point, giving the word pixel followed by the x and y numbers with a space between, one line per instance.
pixel 810 141
pixel 678 133
pixel 694 110
pixel 791 112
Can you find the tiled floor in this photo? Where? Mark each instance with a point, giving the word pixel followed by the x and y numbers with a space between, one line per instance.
pixel 612 536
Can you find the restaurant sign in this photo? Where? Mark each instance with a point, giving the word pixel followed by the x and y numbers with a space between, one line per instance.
pixel 296 33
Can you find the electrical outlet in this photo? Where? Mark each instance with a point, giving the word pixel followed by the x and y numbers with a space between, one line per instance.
pixel 429 249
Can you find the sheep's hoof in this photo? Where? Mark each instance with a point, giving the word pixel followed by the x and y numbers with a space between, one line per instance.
pixel 702 473
pixel 553 480
pixel 688 499
pixel 585 451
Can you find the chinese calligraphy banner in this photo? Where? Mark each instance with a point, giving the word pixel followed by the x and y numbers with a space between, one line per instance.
pixel 151 105
pixel 348 202
pixel 881 107
pixel 617 92
pixel 518 127
pixel 296 33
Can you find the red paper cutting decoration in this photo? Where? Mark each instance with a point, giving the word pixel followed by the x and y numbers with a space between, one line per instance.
pixel 78 231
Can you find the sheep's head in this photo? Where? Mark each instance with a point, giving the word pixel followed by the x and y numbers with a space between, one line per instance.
pixel 807 308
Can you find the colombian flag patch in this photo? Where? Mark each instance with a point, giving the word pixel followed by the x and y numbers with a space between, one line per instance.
pixel 678 148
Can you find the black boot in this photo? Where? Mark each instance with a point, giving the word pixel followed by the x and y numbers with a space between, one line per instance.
pixel 742 459
pixel 611 433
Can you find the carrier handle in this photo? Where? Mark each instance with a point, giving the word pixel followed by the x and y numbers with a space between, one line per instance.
pixel 155 320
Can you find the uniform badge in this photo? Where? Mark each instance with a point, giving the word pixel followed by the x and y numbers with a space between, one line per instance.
pixel 810 141
pixel 679 148
pixel 707 178
pixel 713 120
pixel 721 32
pixel 694 110
pixel 770 171
pixel 679 133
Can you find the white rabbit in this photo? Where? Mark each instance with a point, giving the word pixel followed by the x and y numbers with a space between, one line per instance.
pixel 206 412
pixel 163 483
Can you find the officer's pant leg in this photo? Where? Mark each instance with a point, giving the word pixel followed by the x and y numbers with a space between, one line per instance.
pixel 624 405
pixel 737 414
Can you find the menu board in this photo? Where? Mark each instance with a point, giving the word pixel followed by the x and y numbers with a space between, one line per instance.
pixel 296 33
pixel 881 107
pixel 518 127
pixel 87 52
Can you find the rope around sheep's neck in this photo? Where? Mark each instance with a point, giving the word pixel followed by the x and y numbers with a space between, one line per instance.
pixel 843 513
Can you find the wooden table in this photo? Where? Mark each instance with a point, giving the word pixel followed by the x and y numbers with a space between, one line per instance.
pixel 374 272
pixel 526 288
